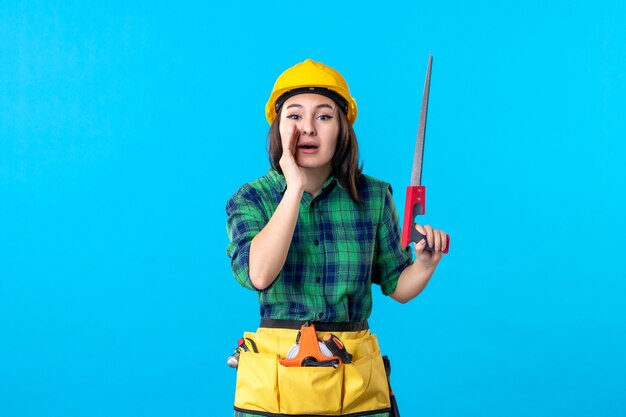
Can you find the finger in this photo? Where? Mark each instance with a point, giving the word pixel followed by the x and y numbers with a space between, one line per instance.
pixel 419 247
pixel 420 229
pixel 295 134
pixel 429 236
pixel 288 140
pixel 437 240
pixel 444 240
pixel 284 140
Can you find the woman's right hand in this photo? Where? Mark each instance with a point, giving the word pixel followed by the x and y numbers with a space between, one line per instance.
pixel 270 247
pixel 294 175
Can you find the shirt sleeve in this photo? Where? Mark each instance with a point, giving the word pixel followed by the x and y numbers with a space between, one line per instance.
pixel 245 219
pixel 391 258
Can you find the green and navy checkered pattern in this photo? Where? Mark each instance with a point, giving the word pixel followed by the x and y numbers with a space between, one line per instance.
pixel 339 248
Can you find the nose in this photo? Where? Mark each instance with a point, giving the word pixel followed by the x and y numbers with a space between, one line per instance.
pixel 308 128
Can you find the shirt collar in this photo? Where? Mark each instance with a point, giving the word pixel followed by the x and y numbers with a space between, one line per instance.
pixel 280 184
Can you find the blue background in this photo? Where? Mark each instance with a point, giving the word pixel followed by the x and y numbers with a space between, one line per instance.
pixel 124 128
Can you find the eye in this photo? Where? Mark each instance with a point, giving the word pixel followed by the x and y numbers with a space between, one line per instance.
pixel 324 117
pixel 293 117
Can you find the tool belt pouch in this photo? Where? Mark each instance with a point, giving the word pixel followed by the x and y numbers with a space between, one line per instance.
pixel 266 387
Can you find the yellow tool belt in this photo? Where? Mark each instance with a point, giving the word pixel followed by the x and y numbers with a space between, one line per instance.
pixel 265 387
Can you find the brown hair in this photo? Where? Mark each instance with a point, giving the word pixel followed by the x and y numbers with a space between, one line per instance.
pixel 345 162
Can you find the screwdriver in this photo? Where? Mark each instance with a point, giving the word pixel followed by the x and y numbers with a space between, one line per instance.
pixel 246 345
pixel 337 348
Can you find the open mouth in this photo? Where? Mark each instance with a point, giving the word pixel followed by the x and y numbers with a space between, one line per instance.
pixel 309 147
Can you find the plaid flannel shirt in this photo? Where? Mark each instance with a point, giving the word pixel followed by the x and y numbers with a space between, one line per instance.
pixel 339 248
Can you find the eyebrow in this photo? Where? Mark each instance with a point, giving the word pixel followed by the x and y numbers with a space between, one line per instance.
pixel 319 106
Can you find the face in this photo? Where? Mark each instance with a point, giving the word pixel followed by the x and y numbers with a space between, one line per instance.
pixel 315 117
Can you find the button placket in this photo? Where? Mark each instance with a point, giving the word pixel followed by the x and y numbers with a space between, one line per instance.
pixel 318 221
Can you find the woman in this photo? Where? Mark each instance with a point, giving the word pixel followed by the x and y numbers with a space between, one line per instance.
pixel 311 236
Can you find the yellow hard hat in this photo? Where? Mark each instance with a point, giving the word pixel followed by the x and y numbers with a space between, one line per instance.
pixel 313 77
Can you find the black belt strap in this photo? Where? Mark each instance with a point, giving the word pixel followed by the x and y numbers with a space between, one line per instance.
pixel 395 412
pixel 320 326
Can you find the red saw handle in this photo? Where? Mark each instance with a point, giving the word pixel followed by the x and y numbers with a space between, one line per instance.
pixel 415 204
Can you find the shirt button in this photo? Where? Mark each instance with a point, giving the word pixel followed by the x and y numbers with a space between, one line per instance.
pixel 317 242
pixel 317 280
pixel 320 315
